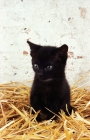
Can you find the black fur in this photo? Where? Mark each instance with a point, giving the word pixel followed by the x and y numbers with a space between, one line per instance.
pixel 50 88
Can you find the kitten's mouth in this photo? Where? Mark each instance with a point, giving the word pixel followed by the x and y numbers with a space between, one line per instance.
pixel 45 80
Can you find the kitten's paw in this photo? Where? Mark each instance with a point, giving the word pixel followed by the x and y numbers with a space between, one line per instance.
pixel 41 117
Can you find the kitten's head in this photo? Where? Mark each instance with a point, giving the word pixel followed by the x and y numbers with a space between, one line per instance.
pixel 48 62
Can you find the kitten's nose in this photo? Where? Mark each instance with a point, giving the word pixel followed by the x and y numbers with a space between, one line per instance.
pixel 40 73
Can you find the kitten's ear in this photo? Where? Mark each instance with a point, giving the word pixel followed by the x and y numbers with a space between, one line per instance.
pixel 64 49
pixel 34 48
pixel 61 53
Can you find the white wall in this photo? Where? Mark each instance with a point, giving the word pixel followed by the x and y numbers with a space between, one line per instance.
pixel 45 22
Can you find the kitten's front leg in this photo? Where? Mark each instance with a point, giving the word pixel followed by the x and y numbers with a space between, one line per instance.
pixel 36 103
pixel 54 109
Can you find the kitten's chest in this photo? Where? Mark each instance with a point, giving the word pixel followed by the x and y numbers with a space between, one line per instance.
pixel 47 93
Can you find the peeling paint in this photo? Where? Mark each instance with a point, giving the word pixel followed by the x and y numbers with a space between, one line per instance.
pixel 14 67
pixel 78 57
pixel 83 12
pixel 15 73
pixel 71 54
pixel 25 52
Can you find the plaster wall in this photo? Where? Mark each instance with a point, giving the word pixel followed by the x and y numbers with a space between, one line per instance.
pixel 45 22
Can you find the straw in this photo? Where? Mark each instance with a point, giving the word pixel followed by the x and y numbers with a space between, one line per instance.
pixel 18 123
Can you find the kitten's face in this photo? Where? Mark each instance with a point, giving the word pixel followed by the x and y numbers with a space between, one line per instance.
pixel 48 62
pixel 44 70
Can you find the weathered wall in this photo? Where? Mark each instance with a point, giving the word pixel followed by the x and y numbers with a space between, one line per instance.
pixel 46 22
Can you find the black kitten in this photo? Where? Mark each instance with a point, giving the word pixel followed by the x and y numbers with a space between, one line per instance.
pixel 50 88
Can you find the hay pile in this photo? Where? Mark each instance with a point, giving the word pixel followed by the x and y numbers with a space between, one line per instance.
pixel 18 123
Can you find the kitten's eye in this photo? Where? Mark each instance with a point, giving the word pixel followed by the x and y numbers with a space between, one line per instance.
pixel 49 67
pixel 36 66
